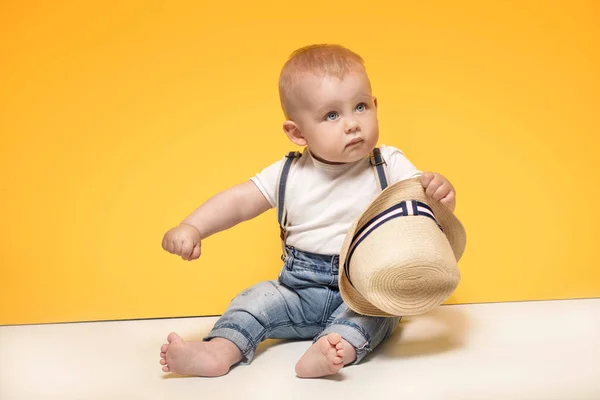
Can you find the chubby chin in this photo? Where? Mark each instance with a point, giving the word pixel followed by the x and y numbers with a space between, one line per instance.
pixel 357 151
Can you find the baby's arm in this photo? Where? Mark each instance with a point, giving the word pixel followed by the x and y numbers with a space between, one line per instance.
pixel 227 209
pixel 222 211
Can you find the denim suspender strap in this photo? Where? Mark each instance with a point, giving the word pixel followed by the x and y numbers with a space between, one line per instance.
pixel 288 162
pixel 379 165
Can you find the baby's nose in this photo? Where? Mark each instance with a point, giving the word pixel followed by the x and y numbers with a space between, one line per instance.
pixel 351 126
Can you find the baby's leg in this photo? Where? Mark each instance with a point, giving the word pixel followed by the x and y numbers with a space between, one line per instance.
pixel 254 315
pixel 346 340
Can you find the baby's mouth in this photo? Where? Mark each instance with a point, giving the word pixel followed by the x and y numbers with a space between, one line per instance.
pixel 354 141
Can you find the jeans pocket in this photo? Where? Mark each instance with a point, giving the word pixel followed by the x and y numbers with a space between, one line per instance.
pixel 287 267
pixel 288 264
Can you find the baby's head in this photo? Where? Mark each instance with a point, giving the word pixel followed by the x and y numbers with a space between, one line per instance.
pixel 326 97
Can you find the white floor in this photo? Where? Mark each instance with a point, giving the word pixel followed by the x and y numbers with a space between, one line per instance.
pixel 532 350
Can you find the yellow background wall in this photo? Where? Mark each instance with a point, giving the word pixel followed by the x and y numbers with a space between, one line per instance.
pixel 119 118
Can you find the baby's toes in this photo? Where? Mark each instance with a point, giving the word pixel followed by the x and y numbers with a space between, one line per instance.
pixel 163 361
pixel 164 348
pixel 334 339
pixel 340 353
pixel 333 357
pixel 165 369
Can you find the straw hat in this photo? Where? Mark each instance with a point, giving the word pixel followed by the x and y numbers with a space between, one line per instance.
pixel 400 256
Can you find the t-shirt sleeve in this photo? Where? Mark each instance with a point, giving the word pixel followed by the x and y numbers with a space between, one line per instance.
pixel 399 167
pixel 266 181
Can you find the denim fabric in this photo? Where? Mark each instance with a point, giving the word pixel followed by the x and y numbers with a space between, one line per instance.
pixel 304 303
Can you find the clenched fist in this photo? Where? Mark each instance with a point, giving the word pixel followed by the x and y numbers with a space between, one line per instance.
pixel 184 241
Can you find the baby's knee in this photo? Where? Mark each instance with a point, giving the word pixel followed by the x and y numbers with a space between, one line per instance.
pixel 255 300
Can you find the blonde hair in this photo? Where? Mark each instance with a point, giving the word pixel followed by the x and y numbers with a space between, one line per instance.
pixel 318 59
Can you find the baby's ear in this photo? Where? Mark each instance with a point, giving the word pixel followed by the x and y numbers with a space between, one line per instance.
pixel 293 133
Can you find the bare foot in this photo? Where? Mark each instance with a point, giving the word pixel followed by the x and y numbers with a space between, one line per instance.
pixel 213 358
pixel 325 357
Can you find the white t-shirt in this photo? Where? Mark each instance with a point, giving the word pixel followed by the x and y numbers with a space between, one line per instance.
pixel 323 200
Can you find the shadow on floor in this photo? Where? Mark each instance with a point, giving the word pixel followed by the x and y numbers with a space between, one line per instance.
pixel 441 330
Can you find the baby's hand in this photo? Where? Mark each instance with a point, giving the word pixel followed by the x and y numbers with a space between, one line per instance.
pixel 439 188
pixel 184 241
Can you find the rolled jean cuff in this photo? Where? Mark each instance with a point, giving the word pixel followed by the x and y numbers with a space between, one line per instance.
pixel 238 336
pixel 353 334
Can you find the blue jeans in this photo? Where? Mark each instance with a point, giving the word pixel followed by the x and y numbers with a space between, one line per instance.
pixel 304 303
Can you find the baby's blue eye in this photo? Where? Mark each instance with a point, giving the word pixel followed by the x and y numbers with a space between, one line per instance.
pixel 361 107
pixel 331 116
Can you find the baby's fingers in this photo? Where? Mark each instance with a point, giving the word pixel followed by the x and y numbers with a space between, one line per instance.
pixel 196 252
pixel 187 248
pixel 426 179
pixel 442 191
pixel 448 199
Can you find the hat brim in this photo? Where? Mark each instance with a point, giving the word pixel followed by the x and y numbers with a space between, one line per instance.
pixel 452 227
pixel 352 297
